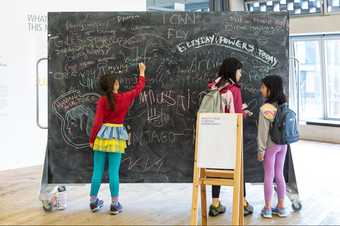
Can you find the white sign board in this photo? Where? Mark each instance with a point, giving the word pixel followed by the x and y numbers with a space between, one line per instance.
pixel 217 140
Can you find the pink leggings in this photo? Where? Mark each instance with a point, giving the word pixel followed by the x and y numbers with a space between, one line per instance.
pixel 274 160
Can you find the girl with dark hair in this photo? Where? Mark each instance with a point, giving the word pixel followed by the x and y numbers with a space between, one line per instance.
pixel 108 136
pixel 273 155
pixel 227 82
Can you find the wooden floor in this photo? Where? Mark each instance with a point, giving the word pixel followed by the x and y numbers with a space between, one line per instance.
pixel 317 166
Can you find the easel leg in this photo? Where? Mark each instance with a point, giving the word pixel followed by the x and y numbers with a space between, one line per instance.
pixel 204 204
pixel 194 210
pixel 242 184
pixel 196 184
pixel 236 205
pixel 242 198
pixel 238 175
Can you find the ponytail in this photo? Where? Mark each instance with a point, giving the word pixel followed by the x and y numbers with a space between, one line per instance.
pixel 111 100
pixel 106 84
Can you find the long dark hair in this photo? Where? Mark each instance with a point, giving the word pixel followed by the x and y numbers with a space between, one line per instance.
pixel 275 85
pixel 228 69
pixel 106 84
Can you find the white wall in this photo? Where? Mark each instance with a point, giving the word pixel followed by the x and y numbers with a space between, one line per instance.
pixel 22 142
pixel 315 24
pixel 320 133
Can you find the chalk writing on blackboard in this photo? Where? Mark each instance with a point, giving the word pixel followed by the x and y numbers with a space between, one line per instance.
pixel 231 43
pixel 75 113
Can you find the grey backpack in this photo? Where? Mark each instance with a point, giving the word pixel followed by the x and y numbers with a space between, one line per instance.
pixel 211 102
pixel 284 129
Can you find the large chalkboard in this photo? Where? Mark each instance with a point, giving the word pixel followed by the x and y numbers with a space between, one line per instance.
pixel 182 52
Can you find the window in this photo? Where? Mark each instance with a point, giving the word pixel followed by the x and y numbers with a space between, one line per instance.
pixel 333 5
pixel 310 88
pixel 318 81
pixel 333 77
pixel 294 7
pixel 178 5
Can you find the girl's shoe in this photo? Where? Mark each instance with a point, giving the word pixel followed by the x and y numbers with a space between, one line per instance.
pixel 281 212
pixel 266 213
pixel 248 209
pixel 96 205
pixel 116 208
pixel 50 205
pixel 215 211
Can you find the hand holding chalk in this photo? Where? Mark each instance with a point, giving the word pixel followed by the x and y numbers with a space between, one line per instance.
pixel 141 67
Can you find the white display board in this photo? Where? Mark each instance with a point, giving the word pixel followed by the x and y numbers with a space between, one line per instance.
pixel 217 140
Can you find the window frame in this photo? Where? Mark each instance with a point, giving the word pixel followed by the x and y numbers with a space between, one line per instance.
pixel 321 38
pixel 326 9
pixel 298 102
pixel 325 38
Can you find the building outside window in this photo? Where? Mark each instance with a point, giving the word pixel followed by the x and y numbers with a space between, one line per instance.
pixel 294 7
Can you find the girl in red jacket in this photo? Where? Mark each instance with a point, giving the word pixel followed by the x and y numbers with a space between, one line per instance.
pixel 108 136
pixel 227 82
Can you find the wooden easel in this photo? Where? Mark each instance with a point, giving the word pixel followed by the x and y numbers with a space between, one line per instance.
pixel 233 178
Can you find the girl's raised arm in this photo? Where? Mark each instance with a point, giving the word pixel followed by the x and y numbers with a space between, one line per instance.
pixel 137 89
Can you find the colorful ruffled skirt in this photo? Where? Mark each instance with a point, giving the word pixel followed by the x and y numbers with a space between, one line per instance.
pixel 111 138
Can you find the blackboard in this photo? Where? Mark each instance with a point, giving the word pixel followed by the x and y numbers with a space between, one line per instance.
pixel 182 52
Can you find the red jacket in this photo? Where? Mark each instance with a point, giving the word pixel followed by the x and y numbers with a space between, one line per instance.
pixel 123 101
pixel 231 97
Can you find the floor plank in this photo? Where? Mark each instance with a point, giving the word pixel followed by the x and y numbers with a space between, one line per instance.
pixel 316 165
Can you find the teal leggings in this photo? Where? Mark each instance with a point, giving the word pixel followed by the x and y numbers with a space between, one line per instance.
pixel 99 159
